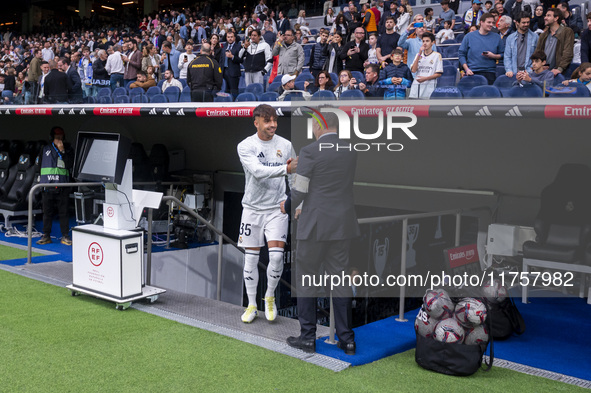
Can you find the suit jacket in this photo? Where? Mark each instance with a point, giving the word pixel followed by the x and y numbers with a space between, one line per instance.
pixel 328 212
pixel 233 69
pixel 174 62
pixel 55 87
pixel 283 25
pixel 74 86
pixel 134 65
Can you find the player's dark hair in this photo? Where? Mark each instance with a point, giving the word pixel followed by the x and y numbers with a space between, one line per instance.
pixel 265 111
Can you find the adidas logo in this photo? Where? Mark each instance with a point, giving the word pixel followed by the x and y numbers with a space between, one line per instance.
pixel 455 112
pixel 514 112
pixel 261 155
pixel 297 112
pixel 82 112
pixel 181 112
pixel 7 112
pixel 249 278
pixel 483 112
pixel 61 112
pixel 279 112
pixel 166 112
pixel 153 112
pixel 71 112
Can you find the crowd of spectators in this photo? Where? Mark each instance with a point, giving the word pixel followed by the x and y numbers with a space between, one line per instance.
pixel 380 49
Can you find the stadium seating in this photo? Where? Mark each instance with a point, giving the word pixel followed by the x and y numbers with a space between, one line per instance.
pixel 274 87
pixel 185 97
pixel 255 88
pixel 158 98
pixel 352 95
pixel 504 83
pixel 241 84
pixel 569 71
pixel 119 91
pixel 269 96
pixel 293 97
pixel 500 70
pixel 122 99
pixel 529 90
pixel 183 82
pixel 152 91
pixel 105 91
pixel 572 90
pixel 484 92
pixel 140 99
pixel 468 82
pixel 105 100
pixel 446 81
pixel 136 91
pixel 246 97
pixel 335 78
pixel 160 83
pixel 300 85
pixel 446 92
pixel 358 75
pixel 304 76
pixel 222 99
pixel 172 94
pixel 323 95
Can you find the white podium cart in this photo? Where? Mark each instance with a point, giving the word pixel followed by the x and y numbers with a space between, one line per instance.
pixel 108 259
pixel 108 265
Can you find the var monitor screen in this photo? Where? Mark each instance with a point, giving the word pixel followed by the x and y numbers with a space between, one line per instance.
pixel 100 157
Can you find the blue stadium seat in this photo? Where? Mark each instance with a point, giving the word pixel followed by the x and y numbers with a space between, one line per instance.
pixel 139 99
pixel 185 97
pixel 105 100
pixel 352 95
pixel 172 93
pixel 246 97
pixel 222 99
pixel 242 84
pixel 269 96
pixel 572 90
pixel 120 91
pixel 136 91
pixel 300 85
pixel 121 99
pixel 304 76
pixel 500 70
pixel 558 79
pixel 152 91
pixel 459 37
pixel 186 89
pixel 161 82
pixel 468 82
pixel 452 51
pixel 446 81
pixel 105 91
pixel 450 71
pixel 358 75
pixel 323 95
pixel 255 88
pixel 128 84
pixel 504 84
pixel 525 91
pixel 446 92
pixel 273 87
pixel 293 97
pixel 484 92
pixel 335 78
pixel 183 82
pixel 89 100
pixel 158 98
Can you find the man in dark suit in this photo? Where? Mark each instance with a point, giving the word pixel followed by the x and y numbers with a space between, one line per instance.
pixel 326 225
pixel 283 23
pixel 55 86
pixel 74 82
pixel 231 64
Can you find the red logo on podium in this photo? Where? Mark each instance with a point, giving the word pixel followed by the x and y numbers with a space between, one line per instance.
pixel 110 211
pixel 95 254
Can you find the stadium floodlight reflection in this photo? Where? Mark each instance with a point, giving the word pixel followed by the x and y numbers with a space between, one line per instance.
pixel 108 8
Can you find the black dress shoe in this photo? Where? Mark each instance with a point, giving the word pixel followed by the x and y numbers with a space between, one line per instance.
pixel 303 344
pixel 349 348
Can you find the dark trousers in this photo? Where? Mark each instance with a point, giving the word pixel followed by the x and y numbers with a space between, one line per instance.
pixel 490 76
pixel 52 201
pixel 232 84
pixel 314 258
pixel 201 96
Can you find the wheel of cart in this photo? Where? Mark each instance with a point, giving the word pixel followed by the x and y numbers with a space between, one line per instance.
pixel 122 306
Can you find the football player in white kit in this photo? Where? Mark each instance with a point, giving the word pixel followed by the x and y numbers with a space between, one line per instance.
pixel 266 158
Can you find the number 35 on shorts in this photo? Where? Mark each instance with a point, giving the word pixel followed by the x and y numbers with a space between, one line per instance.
pixel 245 229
